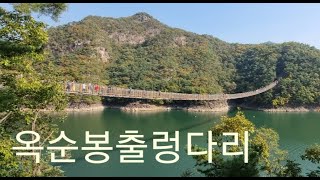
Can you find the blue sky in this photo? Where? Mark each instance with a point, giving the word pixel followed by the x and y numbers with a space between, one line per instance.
pixel 242 23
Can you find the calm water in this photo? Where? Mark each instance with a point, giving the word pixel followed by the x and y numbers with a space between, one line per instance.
pixel 296 130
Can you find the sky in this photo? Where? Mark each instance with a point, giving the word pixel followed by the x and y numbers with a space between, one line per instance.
pixel 235 23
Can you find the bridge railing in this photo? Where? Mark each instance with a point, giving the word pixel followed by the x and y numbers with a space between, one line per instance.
pixel 252 93
pixel 94 89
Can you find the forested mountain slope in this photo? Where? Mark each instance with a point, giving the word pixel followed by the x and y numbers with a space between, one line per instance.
pixel 140 52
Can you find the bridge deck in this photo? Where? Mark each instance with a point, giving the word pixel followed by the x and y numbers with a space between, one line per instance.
pixel 87 89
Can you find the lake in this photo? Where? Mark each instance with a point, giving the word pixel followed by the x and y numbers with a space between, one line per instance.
pixel 296 130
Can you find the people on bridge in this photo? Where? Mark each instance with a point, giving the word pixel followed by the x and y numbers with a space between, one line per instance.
pixel 96 88
pixel 90 88
pixel 68 86
pixel 84 87
pixel 102 90
pixel 73 86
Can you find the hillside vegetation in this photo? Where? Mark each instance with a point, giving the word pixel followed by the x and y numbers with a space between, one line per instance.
pixel 140 52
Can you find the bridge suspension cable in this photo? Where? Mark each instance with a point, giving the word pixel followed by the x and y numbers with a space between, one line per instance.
pixel 109 91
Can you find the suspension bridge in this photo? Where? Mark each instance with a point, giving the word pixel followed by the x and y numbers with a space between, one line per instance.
pixel 109 91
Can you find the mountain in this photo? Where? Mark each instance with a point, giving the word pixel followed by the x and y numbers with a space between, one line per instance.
pixel 140 52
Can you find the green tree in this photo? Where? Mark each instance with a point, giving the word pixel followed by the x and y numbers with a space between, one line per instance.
pixel 313 154
pixel 265 157
pixel 24 91
pixel 54 10
pixel 291 169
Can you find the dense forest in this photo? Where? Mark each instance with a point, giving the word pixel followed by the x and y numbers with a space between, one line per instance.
pixel 140 52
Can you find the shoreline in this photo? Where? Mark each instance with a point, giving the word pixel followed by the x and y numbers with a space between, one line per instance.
pixel 146 108
pixel 93 107
pixel 283 109
pixel 157 108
